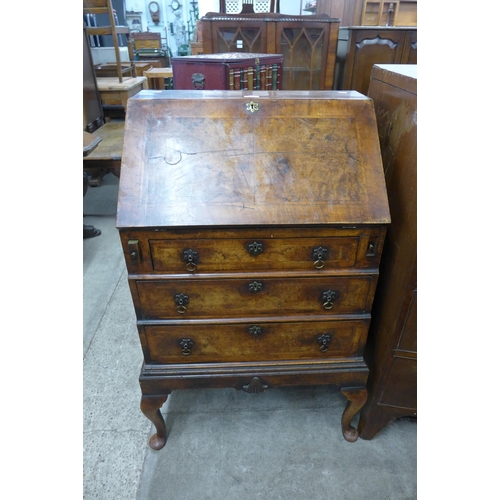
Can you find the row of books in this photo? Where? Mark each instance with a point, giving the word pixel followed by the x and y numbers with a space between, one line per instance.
pixel 260 77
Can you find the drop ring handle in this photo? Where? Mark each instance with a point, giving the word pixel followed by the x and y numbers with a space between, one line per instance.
pixel 191 257
pixel 328 298
pixel 181 301
pixel 320 254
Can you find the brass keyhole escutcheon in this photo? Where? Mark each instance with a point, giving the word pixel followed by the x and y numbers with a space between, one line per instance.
pixel 328 298
pixel 181 301
pixel 252 106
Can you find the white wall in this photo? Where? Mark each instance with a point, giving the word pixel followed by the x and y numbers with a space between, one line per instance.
pixel 168 18
pixel 208 6
pixel 291 7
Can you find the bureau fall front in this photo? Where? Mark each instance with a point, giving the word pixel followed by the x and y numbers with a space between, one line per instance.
pixel 252 225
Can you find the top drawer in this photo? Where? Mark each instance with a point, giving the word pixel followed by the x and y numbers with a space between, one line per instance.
pixel 219 255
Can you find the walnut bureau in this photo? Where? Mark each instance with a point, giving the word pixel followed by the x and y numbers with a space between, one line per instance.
pixel 252 225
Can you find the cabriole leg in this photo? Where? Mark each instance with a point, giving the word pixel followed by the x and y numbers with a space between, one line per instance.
pixel 150 406
pixel 357 397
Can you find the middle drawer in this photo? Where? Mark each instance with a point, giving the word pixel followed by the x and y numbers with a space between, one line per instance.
pixel 209 298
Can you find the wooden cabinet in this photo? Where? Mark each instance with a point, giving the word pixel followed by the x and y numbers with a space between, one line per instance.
pixel 370 12
pixel 230 71
pixel 392 341
pixel 389 13
pixel 308 43
pixel 361 47
pixel 252 225
pixel 348 11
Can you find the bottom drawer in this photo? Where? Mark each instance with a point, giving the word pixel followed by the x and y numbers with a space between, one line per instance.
pixel 262 341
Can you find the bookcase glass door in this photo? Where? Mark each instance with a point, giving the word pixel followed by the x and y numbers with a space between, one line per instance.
pixel 304 55
pixel 238 39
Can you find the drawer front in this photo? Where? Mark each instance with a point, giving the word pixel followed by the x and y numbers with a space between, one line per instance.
pixel 262 341
pixel 214 255
pixel 208 298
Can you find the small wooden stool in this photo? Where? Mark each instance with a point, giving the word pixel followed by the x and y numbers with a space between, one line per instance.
pixel 155 77
pixel 114 93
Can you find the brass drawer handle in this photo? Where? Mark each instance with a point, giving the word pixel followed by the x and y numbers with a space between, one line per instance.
pixel 255 248
pixel 191 257
pixel 255 286
pixel 181 301
pixel 328 297
pixel 320 254
pixel 187 345
pixel 254 330
pixel 134 251
pixel 324 341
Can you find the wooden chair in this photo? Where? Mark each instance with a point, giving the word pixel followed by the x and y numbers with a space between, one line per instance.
pixel 147 40
pixel 148 46
pixel 248 6
pixel 106 7
pixel 97 162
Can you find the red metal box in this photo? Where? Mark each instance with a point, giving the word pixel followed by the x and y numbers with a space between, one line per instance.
pixel 228 71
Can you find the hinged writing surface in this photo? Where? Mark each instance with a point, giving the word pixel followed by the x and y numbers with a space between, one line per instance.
pixel 211 158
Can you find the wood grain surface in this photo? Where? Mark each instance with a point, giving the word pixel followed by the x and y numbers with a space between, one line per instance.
pixel 198 158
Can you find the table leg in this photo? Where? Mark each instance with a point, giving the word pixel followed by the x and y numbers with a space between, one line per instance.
pixel 356 397
pixel 150 406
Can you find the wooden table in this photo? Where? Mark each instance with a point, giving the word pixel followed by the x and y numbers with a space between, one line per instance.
pixel 109 70
pixel 156 76
pixel 108 156
pixel 113 92
pixel 90 142
pixel 252 225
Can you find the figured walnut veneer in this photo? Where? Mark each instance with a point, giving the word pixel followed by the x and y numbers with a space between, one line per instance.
pixel 252 236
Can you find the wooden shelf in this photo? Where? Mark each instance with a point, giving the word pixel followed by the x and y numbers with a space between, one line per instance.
pixel 389 13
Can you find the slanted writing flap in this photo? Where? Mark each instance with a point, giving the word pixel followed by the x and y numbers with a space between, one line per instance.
pixel 219 158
